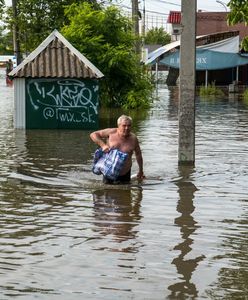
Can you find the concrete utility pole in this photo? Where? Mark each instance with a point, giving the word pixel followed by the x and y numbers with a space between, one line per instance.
pixel 16 38
pixel 135 19
pixel 143 33
pixel 144 20
pixel 186 148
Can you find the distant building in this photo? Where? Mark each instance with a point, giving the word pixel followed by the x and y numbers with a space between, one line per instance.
pixel 174 19
pixel 212 22
pixel 5 58
pixel 206 23
pixel 217 59
pixel 211 28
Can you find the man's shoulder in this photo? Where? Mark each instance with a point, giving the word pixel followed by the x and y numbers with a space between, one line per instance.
pixel 133 135
pixel 108 130
pixel 112 130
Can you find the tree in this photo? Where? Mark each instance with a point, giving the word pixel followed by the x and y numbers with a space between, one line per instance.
pixel 105 37
pixel 157 36
pixel 36 19
pixel 239 14
pixel 2 5
pixel 5 42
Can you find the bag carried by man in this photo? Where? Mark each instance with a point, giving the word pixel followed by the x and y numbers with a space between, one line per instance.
pixel 108 164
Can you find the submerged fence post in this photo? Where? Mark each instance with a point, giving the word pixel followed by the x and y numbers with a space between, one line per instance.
pixel 186 145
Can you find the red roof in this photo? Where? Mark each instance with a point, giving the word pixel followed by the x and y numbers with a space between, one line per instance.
pixel 174 17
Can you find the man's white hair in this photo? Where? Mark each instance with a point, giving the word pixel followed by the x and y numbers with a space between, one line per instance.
pixel 124 118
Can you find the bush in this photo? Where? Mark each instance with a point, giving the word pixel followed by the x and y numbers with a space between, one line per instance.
pixel 245 94
pixel 157 36
pixel 106 38
pixel 210 91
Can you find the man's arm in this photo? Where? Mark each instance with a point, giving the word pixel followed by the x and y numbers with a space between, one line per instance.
pixel 139 159
pixel 100 138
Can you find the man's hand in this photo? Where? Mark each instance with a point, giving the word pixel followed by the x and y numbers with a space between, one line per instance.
pixel 105 148
pixel 140 175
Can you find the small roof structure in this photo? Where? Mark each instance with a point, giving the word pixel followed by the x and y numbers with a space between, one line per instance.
pixel 56 57
pixel 156 54
pixel 174 17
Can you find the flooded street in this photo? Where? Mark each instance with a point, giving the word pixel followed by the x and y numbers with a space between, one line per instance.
pixel 182 234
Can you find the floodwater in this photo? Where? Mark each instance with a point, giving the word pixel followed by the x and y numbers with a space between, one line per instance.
pixel 182 234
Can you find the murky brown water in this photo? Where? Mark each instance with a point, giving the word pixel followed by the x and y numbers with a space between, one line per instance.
pixel 181 235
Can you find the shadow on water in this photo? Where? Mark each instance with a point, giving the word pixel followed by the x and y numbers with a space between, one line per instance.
pixel 188 225
pixel 117 213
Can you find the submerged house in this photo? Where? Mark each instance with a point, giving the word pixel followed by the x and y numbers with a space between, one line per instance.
pixel 217 59
pixel 56 86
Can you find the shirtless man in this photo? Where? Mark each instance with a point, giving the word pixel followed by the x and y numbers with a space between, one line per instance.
pixel 123 139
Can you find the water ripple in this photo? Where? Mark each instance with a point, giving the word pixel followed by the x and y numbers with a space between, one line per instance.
pixel 180 234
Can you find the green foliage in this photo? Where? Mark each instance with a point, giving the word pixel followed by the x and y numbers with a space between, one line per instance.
pixel 239 14
pixel 2 10
pixel 157 36
pixel 244 43
pixel 245 95
pixel 211 91
pixel 2 6
pixel 140 94
pixel 36 19
pixel 105 37
pixel 5 42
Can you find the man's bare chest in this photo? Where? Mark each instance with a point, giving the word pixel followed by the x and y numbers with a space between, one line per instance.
pixel 123 144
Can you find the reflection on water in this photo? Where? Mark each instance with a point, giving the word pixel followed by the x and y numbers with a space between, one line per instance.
pixel 185 267
pixel 117 213
pixel 181 234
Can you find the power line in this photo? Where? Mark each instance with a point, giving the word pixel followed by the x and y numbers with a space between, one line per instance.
pixel 152 18
pixel 166 2
pixel 150 11
pixel 156 12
